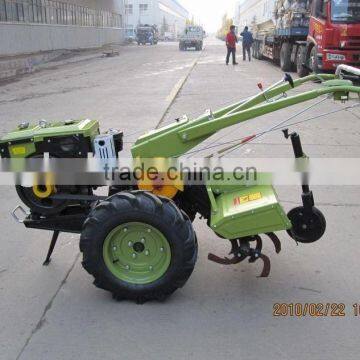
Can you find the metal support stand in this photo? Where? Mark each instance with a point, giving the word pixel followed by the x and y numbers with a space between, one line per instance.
pixel 308 222
pixel 51 247
pixel 307 194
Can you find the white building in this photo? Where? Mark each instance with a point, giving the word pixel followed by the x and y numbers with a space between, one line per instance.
pixel 155 12
pixel 237 12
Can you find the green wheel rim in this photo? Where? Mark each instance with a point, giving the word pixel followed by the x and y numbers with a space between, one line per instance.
pixel 137 253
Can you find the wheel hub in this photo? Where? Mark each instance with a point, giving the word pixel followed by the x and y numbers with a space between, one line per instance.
pixel 137 253
pixel 139 247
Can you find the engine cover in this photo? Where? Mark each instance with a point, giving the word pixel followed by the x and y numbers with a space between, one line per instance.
pixel 107 146
pixel 72 138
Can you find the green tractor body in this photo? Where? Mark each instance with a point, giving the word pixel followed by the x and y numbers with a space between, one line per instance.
pixel 247 211
pixel 141 245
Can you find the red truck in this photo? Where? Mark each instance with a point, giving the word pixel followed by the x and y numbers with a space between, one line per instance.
pixel 318 33
pixel 334 36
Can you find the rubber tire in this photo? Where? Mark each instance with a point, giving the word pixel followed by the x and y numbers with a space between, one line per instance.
pixel 317 216
pixel 159 212
pixel 258 53
pixel 254 51
pixel 301 59
pixel 314 65
pixel 285 57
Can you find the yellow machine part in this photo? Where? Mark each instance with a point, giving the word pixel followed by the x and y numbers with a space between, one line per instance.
pixel 47 188
pixel 43 191
pixel 160 186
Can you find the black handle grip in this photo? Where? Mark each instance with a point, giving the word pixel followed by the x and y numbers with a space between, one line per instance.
pixel 296 143
pixel 289 79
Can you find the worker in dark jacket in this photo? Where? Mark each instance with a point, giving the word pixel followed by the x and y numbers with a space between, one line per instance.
pixel 231 40
pixel 247 41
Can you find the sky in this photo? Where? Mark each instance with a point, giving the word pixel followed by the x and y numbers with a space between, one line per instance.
pixel 209 12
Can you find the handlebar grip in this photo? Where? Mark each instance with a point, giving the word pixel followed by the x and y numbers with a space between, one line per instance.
pixel 289 79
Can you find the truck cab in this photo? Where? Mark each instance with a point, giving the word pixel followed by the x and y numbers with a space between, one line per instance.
pixel 334 34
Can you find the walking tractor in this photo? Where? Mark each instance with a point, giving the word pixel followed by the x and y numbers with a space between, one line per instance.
pixel 139 242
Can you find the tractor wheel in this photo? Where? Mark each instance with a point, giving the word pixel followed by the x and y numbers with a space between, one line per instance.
pixel 307 227
pixel 285 57
pixel 138 246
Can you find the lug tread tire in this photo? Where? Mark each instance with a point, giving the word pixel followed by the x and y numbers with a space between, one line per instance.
pixel 160 212
pixel 301 59
pixel 285 57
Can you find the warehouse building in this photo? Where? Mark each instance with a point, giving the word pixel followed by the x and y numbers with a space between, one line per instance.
pixel 168 15
pixel 30 26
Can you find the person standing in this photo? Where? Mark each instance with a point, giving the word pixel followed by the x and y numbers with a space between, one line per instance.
pixel 247 41
pixel 231 40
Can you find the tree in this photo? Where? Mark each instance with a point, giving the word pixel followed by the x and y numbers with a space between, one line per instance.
pixel 225 26
pixel 191 22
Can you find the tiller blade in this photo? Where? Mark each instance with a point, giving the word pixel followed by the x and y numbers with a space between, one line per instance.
pixel 276 242
pixel 226 261
pixel 241 249
pixel 267 266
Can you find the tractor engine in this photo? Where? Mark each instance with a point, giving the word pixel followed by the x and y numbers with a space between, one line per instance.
pixel 71 139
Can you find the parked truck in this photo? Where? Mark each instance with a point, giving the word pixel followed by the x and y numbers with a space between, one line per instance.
pixel 304 35
pixel 192 37
pixel 147 34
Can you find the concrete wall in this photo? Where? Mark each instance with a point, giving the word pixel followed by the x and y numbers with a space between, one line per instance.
pixel 20 38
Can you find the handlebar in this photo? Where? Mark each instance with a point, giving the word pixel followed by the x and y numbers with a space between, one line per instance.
pixel 349 69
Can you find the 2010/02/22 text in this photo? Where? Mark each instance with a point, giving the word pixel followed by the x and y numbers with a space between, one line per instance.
pixel 314 310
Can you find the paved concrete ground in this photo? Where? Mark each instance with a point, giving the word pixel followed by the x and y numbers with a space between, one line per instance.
pixel 56 313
